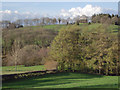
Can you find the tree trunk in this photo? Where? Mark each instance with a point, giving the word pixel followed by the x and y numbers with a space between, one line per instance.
pixel 117 71
pixel 15 66
pixel 107 69
pixel 99 68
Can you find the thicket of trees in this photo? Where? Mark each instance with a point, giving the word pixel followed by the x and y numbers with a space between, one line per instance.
pixel 106 18
pixel 94 52
pixel 26 46
pixel 33 22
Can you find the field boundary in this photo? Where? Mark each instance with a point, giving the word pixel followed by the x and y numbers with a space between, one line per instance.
pixel 7 77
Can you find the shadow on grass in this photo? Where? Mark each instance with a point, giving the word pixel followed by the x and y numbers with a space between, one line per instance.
pixel 49 79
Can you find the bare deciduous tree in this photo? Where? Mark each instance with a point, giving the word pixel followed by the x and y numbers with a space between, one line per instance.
pixel 54 21
pixel 15 53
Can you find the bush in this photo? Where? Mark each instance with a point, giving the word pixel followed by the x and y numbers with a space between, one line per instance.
pixel 29 55
pixel 33 55
pixel 51 65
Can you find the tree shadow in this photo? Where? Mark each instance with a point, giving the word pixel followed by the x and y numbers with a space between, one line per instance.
pixel 49 79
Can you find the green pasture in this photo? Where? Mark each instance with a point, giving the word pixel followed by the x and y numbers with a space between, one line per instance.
pixel 21 69
pixel 95 27
pixel 89 28
pixel 65 80
pixel 52 27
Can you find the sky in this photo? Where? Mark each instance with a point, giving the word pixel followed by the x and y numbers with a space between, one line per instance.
pixel 60 0
pixel 23 10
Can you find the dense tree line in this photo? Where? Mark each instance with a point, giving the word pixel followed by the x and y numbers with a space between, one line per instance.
pixel 26 46
pixel 39 22
pixel 106 18
pixel 33 22
pixel 91 52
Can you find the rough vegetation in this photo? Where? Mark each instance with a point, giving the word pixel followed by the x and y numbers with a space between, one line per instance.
pixel 20 42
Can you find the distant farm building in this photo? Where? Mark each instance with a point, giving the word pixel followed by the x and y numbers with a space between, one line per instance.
pixel 83 19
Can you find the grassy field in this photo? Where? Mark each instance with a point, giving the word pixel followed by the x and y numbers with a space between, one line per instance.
pixel 52 27
pixel 90 28
pixel 65 80
pixel 21 69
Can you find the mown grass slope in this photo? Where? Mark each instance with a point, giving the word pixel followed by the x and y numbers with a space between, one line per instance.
pixel 65 80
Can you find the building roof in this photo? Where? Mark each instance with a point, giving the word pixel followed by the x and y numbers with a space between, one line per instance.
pixel 83 17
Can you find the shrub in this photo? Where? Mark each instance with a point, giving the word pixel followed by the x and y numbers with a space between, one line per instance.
pixel 33 55
pixel 29 55
pixel 51 65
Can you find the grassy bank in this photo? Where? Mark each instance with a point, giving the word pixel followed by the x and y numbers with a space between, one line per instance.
pixel 21 69
pixel 65 80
